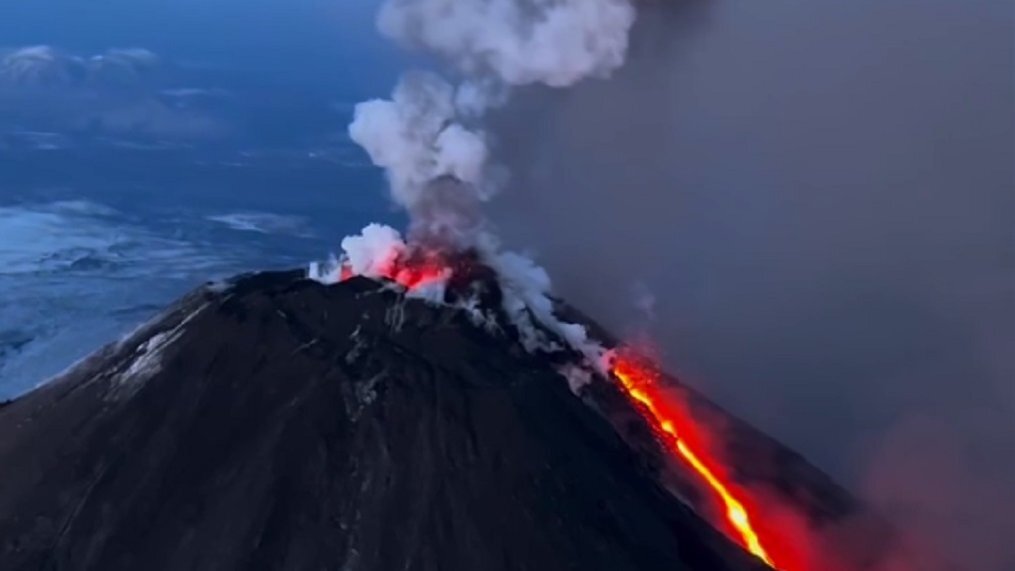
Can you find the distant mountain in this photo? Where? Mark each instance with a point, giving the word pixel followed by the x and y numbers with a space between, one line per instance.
pixel 48 67
pixel 277 423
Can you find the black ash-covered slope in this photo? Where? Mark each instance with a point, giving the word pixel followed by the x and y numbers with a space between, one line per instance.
pixel 276 423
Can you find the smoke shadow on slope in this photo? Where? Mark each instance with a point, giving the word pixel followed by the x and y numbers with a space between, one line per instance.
pixel 819 195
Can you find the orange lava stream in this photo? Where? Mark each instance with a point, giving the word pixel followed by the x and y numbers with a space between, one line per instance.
pixel 640 384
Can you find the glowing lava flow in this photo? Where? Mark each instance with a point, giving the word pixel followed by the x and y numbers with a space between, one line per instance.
pixel 640 383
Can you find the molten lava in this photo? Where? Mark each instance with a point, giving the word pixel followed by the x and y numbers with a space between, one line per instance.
pixel 640 383
pixel 412 272
pixel 420 275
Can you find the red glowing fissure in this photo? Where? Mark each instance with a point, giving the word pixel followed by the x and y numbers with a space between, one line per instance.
pixel 640 383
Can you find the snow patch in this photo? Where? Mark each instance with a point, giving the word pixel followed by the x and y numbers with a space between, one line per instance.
pixel 147 360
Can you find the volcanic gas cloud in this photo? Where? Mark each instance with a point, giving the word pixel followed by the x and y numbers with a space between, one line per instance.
pixel 429 139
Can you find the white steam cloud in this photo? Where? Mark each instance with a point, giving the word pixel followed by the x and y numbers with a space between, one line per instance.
pixel 426 130
pixel 374 252
pixel 428 138
pixel 414 138
pixel 554 42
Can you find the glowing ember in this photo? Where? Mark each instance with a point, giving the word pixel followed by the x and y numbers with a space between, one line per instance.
pixel 420 275
pixel 640 384
pixel 413 273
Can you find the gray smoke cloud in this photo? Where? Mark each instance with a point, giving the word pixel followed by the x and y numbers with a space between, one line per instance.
pixel 427 129
pixel 415 138
pixel 520 42
pixel 820 196
pixel 429 139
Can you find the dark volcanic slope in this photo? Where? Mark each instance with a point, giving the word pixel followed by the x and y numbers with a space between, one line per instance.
pixel 281 424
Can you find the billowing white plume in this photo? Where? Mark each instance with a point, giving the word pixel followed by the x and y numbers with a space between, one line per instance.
pixel 414 137
pixel 374 252
pixel 424 133
pixel 554 42
pixel 526 287
pixel 437 159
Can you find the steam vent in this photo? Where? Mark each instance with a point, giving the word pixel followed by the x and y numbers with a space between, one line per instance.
pixel 277 423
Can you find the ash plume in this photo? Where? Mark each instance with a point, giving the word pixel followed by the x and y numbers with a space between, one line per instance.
pixel 428 129
pixel 553 42
pixel 429 137
pixel 789 194
pixel 415 139
pixel 821 198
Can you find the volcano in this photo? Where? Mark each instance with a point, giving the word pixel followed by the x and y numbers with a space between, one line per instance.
pixel 273 422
